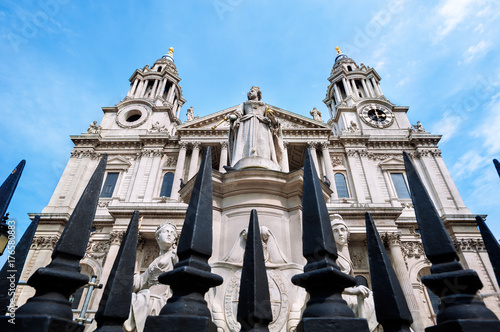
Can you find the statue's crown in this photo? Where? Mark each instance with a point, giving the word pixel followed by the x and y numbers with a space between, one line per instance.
pixel 255 87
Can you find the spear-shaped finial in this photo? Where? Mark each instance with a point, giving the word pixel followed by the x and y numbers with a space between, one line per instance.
pixel 49 309
pixel 322 277
pixel 9 186
pixel 191 278
pixel 497 166
pixel 254 305
pixel 492 246
pixel 114 307
pixel 460 309
pixel 390 304
pixel 13 267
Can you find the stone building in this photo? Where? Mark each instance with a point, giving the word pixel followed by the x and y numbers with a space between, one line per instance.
pixel 153 158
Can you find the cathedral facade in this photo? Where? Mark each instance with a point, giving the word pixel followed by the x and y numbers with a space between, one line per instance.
pixel 153 158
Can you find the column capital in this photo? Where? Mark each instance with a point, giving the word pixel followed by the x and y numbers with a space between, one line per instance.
pixel 196 145
pixel 324 145
pixel 183 145
pixel 311 145
pixel 286 144
pixel 223 144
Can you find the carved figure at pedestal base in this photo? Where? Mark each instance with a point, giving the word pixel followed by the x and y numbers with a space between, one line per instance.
pixel 359 298
pixel 149 294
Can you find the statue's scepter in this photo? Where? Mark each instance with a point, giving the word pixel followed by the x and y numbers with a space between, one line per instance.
pixel 225 118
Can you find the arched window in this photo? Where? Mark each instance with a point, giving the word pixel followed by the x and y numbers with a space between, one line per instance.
pixel 341 185
pixel 159 69
pixel 166 186
pixel 349 68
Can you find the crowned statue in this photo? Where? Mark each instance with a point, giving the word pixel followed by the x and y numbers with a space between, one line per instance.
pixel 255 138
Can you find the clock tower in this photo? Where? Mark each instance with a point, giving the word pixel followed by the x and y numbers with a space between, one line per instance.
pixel 356 102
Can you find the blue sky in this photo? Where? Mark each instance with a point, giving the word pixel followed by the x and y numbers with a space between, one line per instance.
pixel 62 60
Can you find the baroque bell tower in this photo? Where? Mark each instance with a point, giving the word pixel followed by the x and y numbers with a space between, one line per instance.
pixel 356 102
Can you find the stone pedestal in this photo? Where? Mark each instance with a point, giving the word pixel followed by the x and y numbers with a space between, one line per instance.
pixel 277 196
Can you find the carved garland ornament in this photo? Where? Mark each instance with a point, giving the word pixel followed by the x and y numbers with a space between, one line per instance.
pixel 44 242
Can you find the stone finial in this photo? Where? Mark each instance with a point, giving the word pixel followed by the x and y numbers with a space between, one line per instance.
pixel 390 305
pixel 254 305
pixel 114 307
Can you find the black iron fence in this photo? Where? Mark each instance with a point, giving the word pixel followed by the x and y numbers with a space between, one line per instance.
pixel 50 310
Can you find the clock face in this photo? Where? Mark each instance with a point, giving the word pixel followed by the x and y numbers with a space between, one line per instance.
pixel 377 116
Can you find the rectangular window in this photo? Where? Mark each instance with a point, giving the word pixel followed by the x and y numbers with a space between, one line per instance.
pixel 109 185
pixel 400 185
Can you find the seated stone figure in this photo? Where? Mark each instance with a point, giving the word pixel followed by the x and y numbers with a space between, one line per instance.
pixel 359 298
pixel 150 295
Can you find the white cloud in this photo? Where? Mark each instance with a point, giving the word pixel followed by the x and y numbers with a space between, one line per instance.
pixel 476 51
pixel 468 163
pixel 447 126
pixel 451 14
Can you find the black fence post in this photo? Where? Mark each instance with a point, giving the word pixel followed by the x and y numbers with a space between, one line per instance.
pixel 390 303
pixel 7 190
pixel 11 271
pixel 50 309
pixel 254 304
pixel 322 278
pixel 191 278
pixel 497 166
pixel 460 308
pixel 114 307
pixel 492 246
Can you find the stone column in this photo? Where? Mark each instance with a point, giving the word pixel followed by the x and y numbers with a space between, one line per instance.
pixel 223 156
pixel 328 163
pixel 375 86
pixel 132 89
pixel 153 90
pixel 354 88
pixel 115 239
pixel 370 177
pixel 404 279
pixel 352 165
pixel 154 174
pixel 337 93
pixel 159 93
pixel 179 169
pixel 139 89
pixel 312 148
pixel 365 87
pixel 170 96
pixel 284 159
pixel 195 157
pixel 347 88
pixel 370 88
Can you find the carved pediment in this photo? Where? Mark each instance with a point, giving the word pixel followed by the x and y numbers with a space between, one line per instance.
pixel 288 120
pixel 118 163
pixel 392 164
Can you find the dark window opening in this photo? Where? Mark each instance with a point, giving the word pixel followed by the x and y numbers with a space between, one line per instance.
pixel 349 68
pixel 400 185
pixel 159 69
pixel 342 90
pixel 109 185
pixel 166 186
pixel 341 186
pixel 134 117
pixel 76 298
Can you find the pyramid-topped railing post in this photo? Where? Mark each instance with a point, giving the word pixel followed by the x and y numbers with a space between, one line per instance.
pixel 11 271
pixel 390 304
pixel 492 246
pixel 7 190
pixel 322 278
pixel 49 309
pixel 254 304
pixel 114 307
pixel 460 308
pixel 191 278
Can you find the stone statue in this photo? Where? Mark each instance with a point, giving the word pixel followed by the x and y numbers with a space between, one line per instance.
pixel 359 298
pixel 149 294
pixel 255 138
pixel 316 114
pixel 190 114
pixel 94 128
pixel 419 128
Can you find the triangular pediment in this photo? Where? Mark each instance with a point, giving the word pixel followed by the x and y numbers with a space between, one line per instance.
pixel 117 163
pixel 392 164
pixel 288 120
